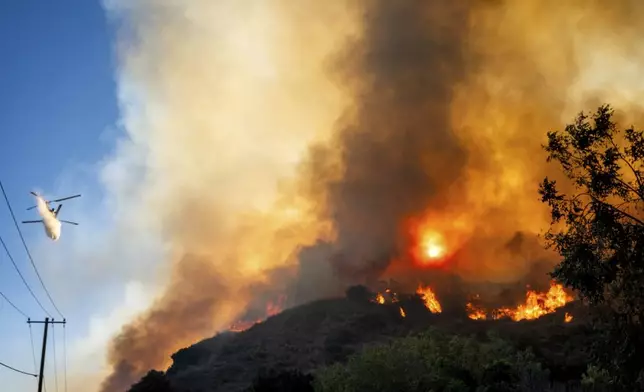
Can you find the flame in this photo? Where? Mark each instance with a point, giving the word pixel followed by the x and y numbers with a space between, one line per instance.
pixel 272 308
pixel 402 312
pixel 433 246
pixel 536 304
pixel 429 297
pixel 240 326
pixel 435 237
pixel 568 317
pixel 392 295
pixel 387 296
pixel 475 312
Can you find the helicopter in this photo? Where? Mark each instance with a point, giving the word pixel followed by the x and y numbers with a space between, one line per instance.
pixel 49 215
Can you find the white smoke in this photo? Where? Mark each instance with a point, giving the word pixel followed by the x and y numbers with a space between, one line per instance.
pixel 219 101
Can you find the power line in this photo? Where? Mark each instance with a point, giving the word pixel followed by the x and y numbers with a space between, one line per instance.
pixel 22 277
pixel 15 222
pixel 47 322
pixel 53 342
pixel 17 370
pixel 65 352
pixel 12 304
pixel 33 350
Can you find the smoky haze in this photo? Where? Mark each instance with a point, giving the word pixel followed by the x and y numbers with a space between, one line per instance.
pixel 282 155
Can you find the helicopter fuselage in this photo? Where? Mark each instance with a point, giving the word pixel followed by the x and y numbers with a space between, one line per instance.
pixel 51 224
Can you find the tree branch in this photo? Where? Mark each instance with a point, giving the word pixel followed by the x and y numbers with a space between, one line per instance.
pixel 626 214
pixel 637 177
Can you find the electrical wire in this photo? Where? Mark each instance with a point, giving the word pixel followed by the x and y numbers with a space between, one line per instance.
pixel 15 266
pixel 53 342
pixel 33 350
pixel 17 370
pixel 12 305
pixel 22 238
pixel 65 353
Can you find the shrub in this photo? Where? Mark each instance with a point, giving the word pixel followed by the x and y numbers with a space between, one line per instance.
pixel 435 361
pixel 596 379
pixel 358 293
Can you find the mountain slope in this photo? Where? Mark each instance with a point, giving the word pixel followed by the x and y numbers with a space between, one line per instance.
pixel 326 331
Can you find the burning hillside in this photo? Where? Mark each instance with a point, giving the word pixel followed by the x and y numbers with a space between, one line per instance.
pixel 310 336
pixel 536 304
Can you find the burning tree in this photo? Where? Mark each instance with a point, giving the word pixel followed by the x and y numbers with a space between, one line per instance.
pixel 598 228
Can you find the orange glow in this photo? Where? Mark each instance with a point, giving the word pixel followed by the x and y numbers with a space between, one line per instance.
pixel 435 238
pixel 474 312
pixel 387 296
pixel 272 308
pixel 432 248
pixel 402 312
pixel 537 304
pixel 429 298
pixel 568 317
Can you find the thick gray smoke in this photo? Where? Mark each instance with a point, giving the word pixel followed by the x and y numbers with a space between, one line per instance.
pixel 395 143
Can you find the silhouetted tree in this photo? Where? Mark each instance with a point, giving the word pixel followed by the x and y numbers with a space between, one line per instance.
pixel 598 229
pixel 154 381
pixel 359 293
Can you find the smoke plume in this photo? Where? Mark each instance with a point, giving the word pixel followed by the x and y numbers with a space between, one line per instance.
pixel 219 104
pixel 318 138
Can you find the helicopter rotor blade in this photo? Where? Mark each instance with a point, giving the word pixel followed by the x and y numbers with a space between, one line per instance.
pixel 31 208
pixel 64 198
pixel 70 222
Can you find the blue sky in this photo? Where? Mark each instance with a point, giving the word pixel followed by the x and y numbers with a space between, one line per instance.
pixel 57 101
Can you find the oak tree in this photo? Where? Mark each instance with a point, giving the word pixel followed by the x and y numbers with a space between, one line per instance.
pixel 598 223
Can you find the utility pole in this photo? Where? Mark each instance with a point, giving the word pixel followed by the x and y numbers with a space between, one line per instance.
pixel 44 345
